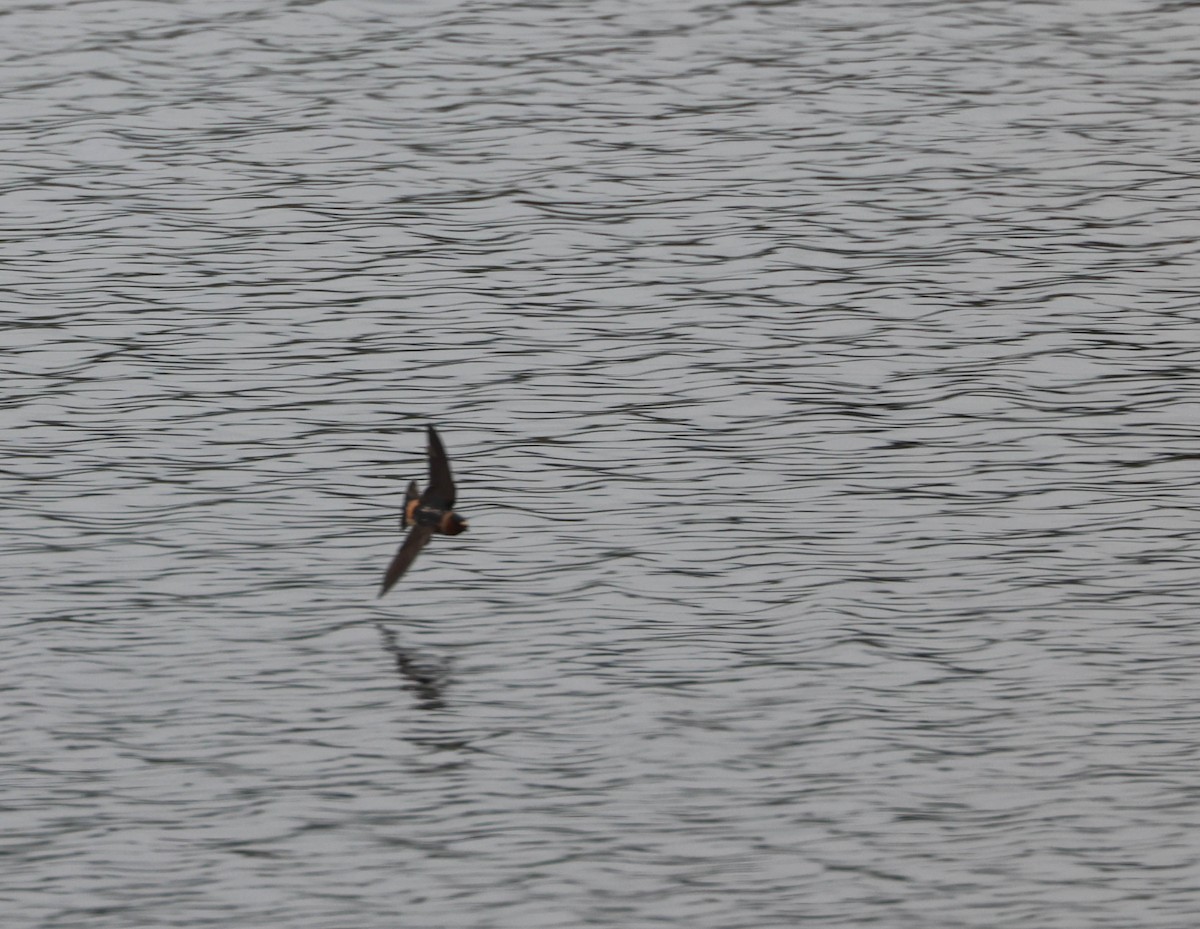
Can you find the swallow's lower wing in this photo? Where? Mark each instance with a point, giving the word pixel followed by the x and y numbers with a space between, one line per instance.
pixel 408 552
pixel 440 492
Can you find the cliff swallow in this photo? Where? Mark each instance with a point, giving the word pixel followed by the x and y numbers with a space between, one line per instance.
pixel 427 513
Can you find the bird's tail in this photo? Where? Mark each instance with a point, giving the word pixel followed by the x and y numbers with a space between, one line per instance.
pixel 409 496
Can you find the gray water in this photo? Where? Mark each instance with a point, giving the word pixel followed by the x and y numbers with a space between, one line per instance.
pixel 821 382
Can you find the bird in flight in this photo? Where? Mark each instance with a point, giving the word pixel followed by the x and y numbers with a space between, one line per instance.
pixel 427 513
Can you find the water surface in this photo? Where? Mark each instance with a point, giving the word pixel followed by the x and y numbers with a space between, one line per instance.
pixel 821 383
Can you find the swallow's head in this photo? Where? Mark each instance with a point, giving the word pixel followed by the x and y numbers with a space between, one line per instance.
pixel 453 524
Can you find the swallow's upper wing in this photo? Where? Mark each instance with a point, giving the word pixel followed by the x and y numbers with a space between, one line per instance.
pixel 408 552
pixel 440 492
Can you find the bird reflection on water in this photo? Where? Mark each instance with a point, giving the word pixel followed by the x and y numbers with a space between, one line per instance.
pixel 425 678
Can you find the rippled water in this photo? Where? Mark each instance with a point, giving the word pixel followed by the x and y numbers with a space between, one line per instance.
pixel 821 383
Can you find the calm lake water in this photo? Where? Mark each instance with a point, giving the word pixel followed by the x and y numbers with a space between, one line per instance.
pixel 821 382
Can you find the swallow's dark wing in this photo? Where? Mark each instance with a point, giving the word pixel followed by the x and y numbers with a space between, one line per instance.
pixel 440 492
pixel 408 552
